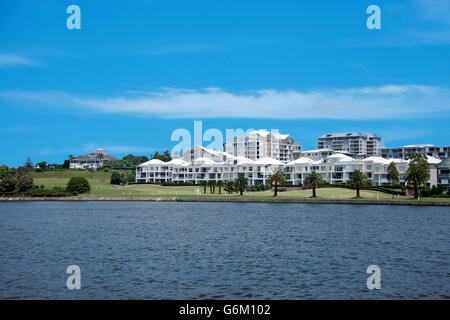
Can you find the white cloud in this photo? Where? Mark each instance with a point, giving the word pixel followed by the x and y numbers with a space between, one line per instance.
pixel 8 59
pixel 383 102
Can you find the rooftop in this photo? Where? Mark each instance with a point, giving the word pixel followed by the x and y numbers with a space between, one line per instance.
pixel 348 134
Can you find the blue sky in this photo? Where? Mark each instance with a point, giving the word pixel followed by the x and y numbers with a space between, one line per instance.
pixel 138 70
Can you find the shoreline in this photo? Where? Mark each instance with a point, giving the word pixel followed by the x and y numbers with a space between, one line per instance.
pixel 293 201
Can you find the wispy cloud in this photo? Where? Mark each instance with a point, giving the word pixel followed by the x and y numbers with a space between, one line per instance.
pixel 383 102
pixel 10 59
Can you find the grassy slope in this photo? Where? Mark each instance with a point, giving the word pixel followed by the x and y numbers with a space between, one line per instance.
pixel 100 187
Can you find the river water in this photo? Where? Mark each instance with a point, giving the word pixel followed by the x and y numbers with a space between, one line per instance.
pixel 151 250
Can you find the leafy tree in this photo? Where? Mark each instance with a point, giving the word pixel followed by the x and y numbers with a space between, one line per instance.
pixel 204 184
pixel 115 178
pixel 25 182
pixel 131 177
pixel 278 177
pixel 393 176
pixel 78 184
pixel 357 180
pixel 8 179
pixel 313 181
pixel 417 172
pixel 241 183
pixel 42 164
pixel 163 157
pixel 220 185
pixel 66 164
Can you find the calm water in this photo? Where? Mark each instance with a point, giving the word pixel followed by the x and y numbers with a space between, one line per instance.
pixel 130 250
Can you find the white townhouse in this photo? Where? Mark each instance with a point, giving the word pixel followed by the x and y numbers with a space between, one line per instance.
pixel 334 168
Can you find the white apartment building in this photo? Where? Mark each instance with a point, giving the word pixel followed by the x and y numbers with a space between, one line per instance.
pixel 334 168
pixel 407 152
pixel 351 142
pixel 260 144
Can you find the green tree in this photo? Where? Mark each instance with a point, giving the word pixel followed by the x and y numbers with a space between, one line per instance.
pixel 220 185
pixel 123 178
pixel 66 164
pixel 212 186
pixel 229 187
pixel 8 179
pixel 357 180
pixel 29 164
pixel 100 156
pixel 204 184
pixel 42 164
pixel 163 157
pixel 241 183
pixel 25 182
pixel 393 176
pixel 115 178
pixel 417 172
pixel 78 184
pixel 313 181
pixel 278 177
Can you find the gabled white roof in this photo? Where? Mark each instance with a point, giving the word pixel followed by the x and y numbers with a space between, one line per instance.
pixel 341 157
pixel 317 150
pixel 301 160
pixel 243 160
pixel 433 160
pixel 261 132
pixel 269 161
pixel 152 162
pixel 204 161
pixel 178 162
pixel 377 160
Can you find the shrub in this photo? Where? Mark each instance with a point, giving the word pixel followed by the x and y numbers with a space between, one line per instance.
pixel 115 178
pixel 78 184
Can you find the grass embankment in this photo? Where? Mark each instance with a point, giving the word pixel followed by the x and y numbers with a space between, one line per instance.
pixel 100 188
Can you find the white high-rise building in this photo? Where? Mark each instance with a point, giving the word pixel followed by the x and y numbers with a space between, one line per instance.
pixel 260 144
pixel 351 142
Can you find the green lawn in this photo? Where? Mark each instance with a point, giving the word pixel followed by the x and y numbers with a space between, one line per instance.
pixel 100 187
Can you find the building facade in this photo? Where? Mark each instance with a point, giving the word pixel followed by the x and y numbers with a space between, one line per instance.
pixel 260 144
pixel 333 169
pixel 351 142
pixel 443 172
pixel 91 160
pixel 407 152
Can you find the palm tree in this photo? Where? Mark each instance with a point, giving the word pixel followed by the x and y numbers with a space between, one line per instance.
pixel 313 180
pixel 230 186
pixel 212 186
pixel 100 156
pixel 393 176
pixel 204 184
pixel 417 172
pixel 220 184
pixel 241 182
pixel 357 180
pixel 278 177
